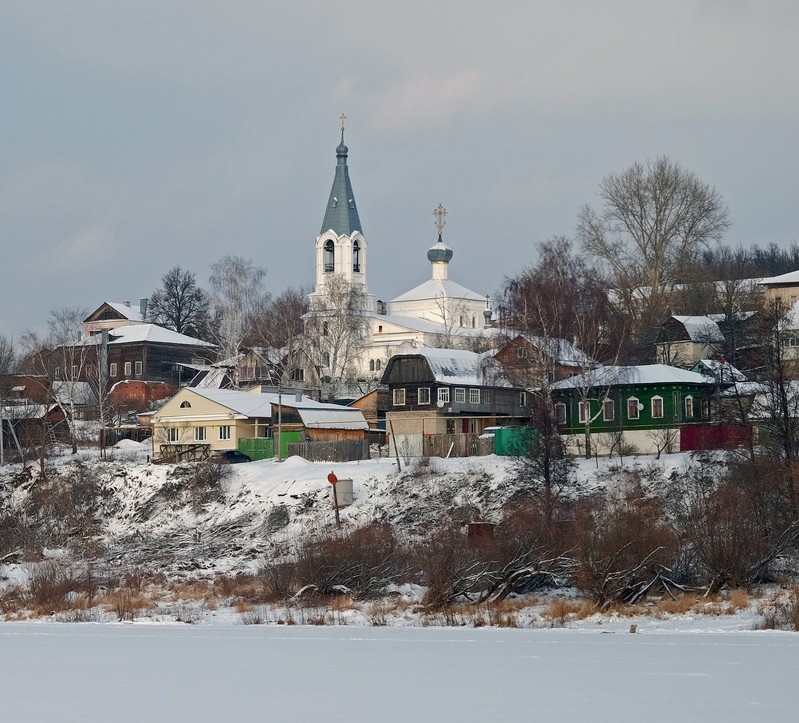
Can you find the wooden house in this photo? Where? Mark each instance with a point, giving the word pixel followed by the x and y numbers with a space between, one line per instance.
pixel 645 406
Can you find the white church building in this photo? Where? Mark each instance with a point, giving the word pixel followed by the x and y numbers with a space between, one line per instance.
pixel 357 335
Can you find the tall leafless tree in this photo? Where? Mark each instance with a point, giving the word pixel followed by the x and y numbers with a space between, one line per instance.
pixel 180 304
pixel 655 218
pixel 237 284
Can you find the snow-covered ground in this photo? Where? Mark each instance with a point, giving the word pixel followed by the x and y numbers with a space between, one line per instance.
pixel 62 672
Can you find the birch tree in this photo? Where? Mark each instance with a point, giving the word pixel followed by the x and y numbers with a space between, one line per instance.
pixel 655 218
pixel 237 285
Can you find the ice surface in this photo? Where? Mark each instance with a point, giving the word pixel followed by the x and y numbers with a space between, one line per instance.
pixel 138 672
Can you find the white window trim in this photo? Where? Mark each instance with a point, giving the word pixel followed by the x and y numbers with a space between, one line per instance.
pixel 224 432
pixel 474 396
pixel 419 395
pixel 608 403
pixel 112 369
pixel 652 407
pixel 583 411
pixel 199 434
pixel 637 408
pixel 398 397
pixel 560 413
pixel 460 395
pixel 443 395
pixel 689 402
pixel 128 368
pixel 138 368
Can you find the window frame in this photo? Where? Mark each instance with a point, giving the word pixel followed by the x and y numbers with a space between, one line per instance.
pixel 608 403
pixel 200 434
pixel 652 404
pixel 224 432
pixel 689 406
pixel 460 395
pixel 474 396
pixel 398 397
pixel 560 412
pixel 637 408
pixel 442 395
pixel 128 369
pixel 138 368
pixel 423 396
pixel 112 370
pixel 583 411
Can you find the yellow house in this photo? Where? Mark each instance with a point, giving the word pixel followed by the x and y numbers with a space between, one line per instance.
pixel 200 421
pixel 197 422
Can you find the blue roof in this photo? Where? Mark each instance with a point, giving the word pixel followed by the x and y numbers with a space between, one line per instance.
pixel 341 214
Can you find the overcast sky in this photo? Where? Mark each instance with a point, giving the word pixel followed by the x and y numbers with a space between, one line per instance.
pixel 141 135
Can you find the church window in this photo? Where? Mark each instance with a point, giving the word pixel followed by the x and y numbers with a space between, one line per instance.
pixel 326 359
pixel 356 257
pixel 474 322
pixel 330 264
pixel 378 365
pixel 371 365
pixel 325 328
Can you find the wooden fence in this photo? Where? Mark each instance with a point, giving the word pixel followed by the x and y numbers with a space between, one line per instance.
pixel 340 451
pixel 456 445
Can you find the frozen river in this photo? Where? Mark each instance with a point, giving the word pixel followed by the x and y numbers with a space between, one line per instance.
pixel 139 672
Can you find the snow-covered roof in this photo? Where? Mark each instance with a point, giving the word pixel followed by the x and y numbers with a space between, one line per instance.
pixel 701 329
pixel 77 392
pixel 792 277
pixel 438 289
pixel 126 310
pixel 721 371
pixel 561 350
pixel 462 367
pixel 25 411
pixel 644 374
pixel 256 404
pixel 136 333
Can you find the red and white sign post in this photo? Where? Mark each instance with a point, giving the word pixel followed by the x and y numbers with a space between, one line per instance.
pixel 333 479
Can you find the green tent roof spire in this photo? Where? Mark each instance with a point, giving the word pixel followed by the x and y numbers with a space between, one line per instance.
pixel 341 214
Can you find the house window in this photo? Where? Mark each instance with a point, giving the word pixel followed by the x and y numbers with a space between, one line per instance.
pixel 356 257
pixel 112 369
pixel 633 408
pixel 460 395
pixel 424 395
pixel 371 365
pixel 608 410
pixel 461 321
pixel 443 395
pixel 583 411
pixel 657 407
pixel 474 396
pixel 74 371
pixel 560 413
pixel 185 405
pixel 199 434
pixel 450 426
pixel 399 397
pixel 330 264
pixel 689 407
pixel 224 432
pixel 172 434
pixel 380 329
pixel 128 369
pixel 488 396
pixel 523 399
pixel 521 352
pixel 138 368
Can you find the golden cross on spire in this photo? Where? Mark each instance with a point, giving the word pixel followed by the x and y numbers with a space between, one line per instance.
pixel 342 118
pixel 439 213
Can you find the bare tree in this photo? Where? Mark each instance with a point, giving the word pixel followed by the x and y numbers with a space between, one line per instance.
pixel 656 217
pixel 181 305
pixel 337 327
pixel 238 290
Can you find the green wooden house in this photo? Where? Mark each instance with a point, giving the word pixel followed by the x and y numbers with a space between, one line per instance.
pixel 643 407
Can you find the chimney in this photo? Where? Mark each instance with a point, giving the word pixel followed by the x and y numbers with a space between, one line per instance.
pixel 143 308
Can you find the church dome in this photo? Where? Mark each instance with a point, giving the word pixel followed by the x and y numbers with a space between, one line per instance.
pixel 439 252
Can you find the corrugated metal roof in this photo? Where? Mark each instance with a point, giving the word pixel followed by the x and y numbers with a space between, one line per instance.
pixel 644 374
pixel 342 418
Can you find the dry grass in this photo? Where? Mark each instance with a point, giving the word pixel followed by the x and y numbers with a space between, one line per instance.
pixel 781 612
pixel 561 611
